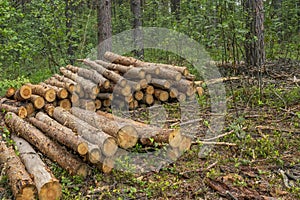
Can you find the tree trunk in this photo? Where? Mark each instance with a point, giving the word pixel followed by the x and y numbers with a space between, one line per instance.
pixel 48 147
pixel 61 92
pixel 126 135
pixel 137 28
pixel 47 185
pixel 54 82
pixel 254 45
pixel 69 10
pixel 104 27
pixel 20 181
pixel 106 143
pixel 175 8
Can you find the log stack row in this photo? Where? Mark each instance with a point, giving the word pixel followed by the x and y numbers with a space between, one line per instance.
pixel 65 119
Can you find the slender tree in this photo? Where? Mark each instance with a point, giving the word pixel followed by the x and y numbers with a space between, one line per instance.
pixel 254 45
pixel 69 10
pixel 137 25
pixel 175 8
pixel 104 27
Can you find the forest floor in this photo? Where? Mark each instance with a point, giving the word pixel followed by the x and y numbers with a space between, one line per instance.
pixel 262 162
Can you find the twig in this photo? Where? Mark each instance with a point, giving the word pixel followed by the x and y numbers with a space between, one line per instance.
pixel 277 129
pixel 284 178
pixel 219 136
pixel 215 143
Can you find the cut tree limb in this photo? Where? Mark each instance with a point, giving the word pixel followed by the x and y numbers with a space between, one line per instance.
pixel 23 93
pixel 22 186
pixel 37 101
pixel 47 185
pixel 48 147
pixel 20 111
pixel 48 93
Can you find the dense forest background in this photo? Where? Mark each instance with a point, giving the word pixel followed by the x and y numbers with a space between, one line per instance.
pixel 38 36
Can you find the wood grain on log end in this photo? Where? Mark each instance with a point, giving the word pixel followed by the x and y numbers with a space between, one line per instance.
pixel 110 147
pixel 175 138
pixel 51 190
pixel 127 137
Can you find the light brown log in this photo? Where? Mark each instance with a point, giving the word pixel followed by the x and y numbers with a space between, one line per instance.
pixel 47 185
pixel 127 71
pixel 49 108
pixel 148 77
pixel 48 147
pixel 150 89
pixel 111 75
pixel 87 104
pixel 172 153
pixel 10 92
pixel 184 86
pixel 126 135
pixel 66 138
pixel 37 101
pixel 61 93
pixel 169 74
pixel 93 151
pixel 181 97
pixel 47 93
pixel 88 86
pixel 190 77
pixel 98 103
pixel 90 75
pixel 135 86
pixel 148 99
pixel 145 131
pixel 72 85
pixel 118 90
pixel 65 104
pixel 138 95
pixel 75 99
pixel 115 58
pixel 161 95
pixel 160 83
pixel 59 84
pixel 20 111
pixel 173 93
pixel 107 102
pixel 21 184
pixel 106 143
pixel 23 93
pixel 133 105
pixel 106 164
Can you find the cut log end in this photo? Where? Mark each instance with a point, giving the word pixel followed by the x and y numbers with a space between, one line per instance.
pixel 82 148
pixel 27 193
pixel 51 190
pixel 127 137
pixel 108 165
pixel 110 147
pixel 175 138
pixel 25 92
pixel 50 95
pixel 10 92
pixel 22 112
pixel 94 155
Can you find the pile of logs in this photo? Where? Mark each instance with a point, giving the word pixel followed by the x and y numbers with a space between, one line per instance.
pixel 65 119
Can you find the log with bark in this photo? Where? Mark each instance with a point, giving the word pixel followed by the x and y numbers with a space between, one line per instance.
pixel 20 111
pixel 184 86
pixel 73 86
pixel 49 108
pixel 149 89
pixel 160 83
pixel 126 135
pixel 60 84
pixel 44 144
pixel 37 101
pixel 65 104
pixel 71 139
pixel 51 129
pixel 20 181
pixel 88 86
pixel 111 75
pixel 90 75
pixel 61 92
pixel 161 95
pixel 47 185
pixel 106 143
pixel 10 92
pixel 47 93
pixel 23 93
pixel 115 58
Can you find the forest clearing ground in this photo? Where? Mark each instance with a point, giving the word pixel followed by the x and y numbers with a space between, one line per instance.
pixel 264 164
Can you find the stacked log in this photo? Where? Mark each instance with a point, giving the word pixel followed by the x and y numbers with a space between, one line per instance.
pixel 65 119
